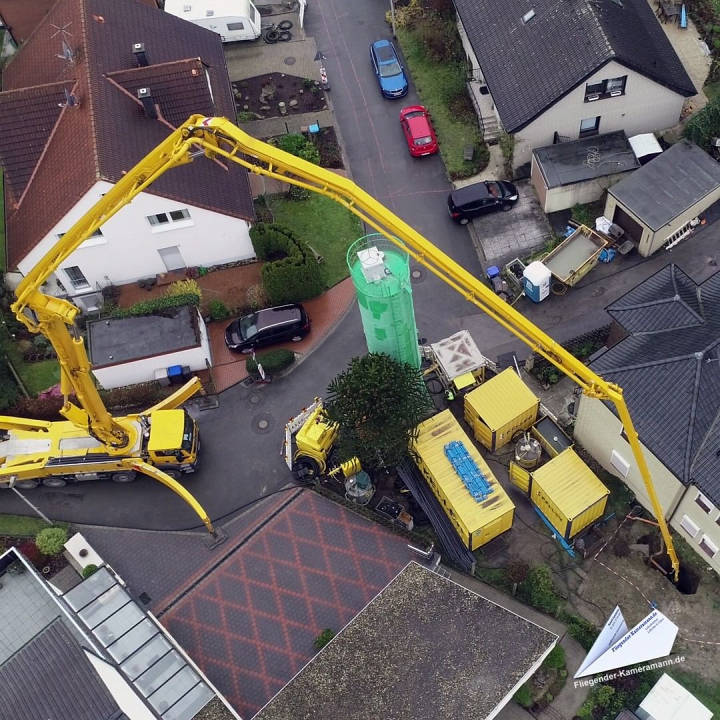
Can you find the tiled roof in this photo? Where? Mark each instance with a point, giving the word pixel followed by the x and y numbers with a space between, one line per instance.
pixel 50 677
pixel 23 16
pixel 107 132
pixel 669 369
pixel 529 66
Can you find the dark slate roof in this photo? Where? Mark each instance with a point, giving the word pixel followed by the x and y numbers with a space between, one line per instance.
pixel 120 340
pixel 528 67
pixel 669 369
pixel 434 648
pixel 108 133
pixel 585 159
pixel 666 187
pixel 51 677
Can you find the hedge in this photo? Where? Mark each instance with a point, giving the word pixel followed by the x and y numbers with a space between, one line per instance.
pixel 296 275
pixel 272 361
pixel 164 302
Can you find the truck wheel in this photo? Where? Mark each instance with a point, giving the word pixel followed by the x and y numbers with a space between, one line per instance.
pixel 124 476
pixel 306 469
pixel 54 482
pixel 27 484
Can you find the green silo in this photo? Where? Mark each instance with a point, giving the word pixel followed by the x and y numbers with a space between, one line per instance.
pixel 381 274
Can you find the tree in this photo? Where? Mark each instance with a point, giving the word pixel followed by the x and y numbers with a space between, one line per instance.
pixel 377 403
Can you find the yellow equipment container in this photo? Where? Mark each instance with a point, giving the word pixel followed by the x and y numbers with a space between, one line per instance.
pixel 499 408
pixel 476 522
pixel 569 493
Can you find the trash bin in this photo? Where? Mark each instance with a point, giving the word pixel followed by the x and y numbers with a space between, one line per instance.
pixel 186 373
pixel 175 374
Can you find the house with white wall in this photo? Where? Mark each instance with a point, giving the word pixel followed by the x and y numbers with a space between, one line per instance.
pixel 668 365
pixel 72 124
pixel 547 71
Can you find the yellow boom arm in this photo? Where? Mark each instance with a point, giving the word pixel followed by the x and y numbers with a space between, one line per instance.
pixel 218 139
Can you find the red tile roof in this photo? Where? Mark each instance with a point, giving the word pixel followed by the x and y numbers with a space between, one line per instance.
pixel 21 17
pixel 107 132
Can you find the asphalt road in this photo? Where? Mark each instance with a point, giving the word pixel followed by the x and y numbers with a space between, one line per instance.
pixel 241 462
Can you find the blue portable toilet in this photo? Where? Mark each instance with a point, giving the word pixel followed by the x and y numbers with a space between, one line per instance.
pixel 536 281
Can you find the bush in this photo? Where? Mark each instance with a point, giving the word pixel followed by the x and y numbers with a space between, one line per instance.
pixel 184 287
pixel 256 297
pixel 705 125
pixel 580 629
pixel 539 591
pixel 88 570
pixel 323 638
pixel 523 696
pixel 272 361
pixel 581 214
pixel 50 541
pixel 155 305
pixel 296 276
pixel 218 310
pixel 38 408
pixel 140 395
pixel 298 145
pixel 555 658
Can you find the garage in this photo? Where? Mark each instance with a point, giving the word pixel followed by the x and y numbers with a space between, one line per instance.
pixel 659 204
pixel 569 173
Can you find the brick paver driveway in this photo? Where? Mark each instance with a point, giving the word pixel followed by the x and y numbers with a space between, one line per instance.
pixel 251 624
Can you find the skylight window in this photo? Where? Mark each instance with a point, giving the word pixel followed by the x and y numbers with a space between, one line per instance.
pixel 528 16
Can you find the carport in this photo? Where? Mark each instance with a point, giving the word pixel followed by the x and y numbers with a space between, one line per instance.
pixel 568 173
pixel 658 204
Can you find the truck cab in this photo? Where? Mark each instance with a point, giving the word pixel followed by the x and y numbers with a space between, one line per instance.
pixel 174 441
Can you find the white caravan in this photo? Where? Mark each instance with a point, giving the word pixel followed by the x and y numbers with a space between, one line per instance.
pixel 231 19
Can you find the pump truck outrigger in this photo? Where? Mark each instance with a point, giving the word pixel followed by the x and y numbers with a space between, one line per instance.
pixel 218 139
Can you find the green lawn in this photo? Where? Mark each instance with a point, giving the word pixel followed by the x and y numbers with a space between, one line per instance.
pixel 324 224
pixel 37 376
pixel 21 526
pixel 456 125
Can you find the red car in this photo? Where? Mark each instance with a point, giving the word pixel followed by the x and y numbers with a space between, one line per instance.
pixel 419 133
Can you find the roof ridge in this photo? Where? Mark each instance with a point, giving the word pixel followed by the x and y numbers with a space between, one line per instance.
pixel 140 68
pixel 601 27
pixel 711 432
pixel 691 418
pixel 651 363
pixel 48 85
pixel 88 79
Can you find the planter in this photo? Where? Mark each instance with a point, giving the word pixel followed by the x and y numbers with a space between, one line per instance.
pixel 83 552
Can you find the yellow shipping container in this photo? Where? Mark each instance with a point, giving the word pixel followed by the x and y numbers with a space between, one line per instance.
pixel 569 493
pixel 476 522
pixel 499 408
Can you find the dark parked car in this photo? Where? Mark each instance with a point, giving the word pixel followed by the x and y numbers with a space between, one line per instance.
pixel 388 68
pixel 266 327
pixel 480 198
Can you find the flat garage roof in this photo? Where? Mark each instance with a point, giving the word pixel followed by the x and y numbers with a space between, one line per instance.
pixel 668 185
pixel 117 340
pixel 573 162
pixel 434 648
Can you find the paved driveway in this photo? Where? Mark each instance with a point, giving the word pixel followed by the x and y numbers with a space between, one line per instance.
pixel 502 236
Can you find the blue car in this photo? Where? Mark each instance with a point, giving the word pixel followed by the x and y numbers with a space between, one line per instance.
pixel 390 73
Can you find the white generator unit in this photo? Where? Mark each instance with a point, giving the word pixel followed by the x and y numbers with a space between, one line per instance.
pixel 372 264
pixel 231 19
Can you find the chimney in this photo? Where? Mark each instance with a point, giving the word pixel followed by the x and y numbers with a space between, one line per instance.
pixel 140 56
pixel 145 96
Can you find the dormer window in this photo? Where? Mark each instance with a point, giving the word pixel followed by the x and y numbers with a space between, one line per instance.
pixel 605 89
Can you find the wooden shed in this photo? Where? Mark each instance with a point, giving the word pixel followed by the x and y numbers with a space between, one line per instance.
pixel 657 205
pixel 472 498
pixel 499 408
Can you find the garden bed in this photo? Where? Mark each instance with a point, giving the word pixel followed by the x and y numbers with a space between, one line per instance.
pixel 259 96
pixel 46 566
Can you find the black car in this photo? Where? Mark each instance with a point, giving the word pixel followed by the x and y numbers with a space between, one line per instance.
pixel 266 327
pixel 480 198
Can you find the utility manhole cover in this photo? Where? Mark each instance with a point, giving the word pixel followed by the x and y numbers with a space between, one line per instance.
pixel 417 275
pixel 289 60
pixel 263 423
pixel 598 291
pixel 254 399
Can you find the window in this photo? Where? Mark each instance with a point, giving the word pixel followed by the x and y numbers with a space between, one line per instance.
pixel 165 218
pixel 704 503
pixel 708 546
pixel 77 279
pixel 235 26
pixel 97 233
pixel 589 126
pixel 689 526
pixel 605 89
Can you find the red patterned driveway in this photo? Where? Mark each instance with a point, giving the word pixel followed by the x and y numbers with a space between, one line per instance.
pixel 251 623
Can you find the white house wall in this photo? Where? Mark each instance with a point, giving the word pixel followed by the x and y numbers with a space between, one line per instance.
pixel 646 106
pixel 598 430
pixel 128 248
pixel 140 371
